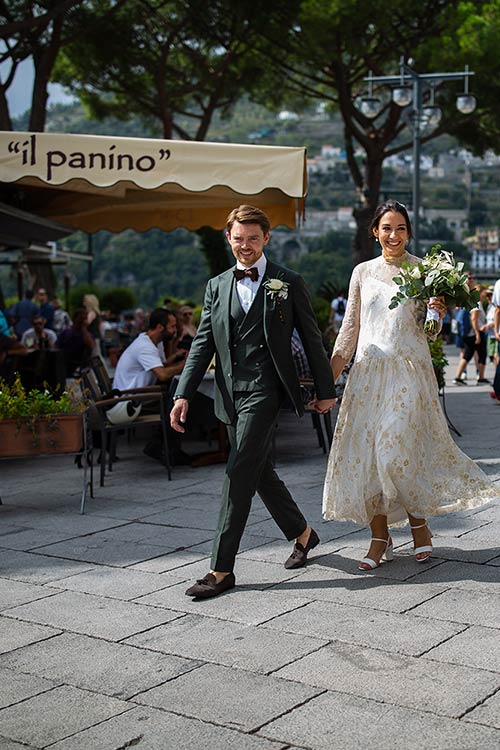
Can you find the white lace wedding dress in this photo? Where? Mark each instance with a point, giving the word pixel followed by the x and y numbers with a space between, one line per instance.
pixel 392 452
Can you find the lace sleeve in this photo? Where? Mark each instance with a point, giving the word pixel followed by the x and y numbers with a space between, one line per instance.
pixel 345 344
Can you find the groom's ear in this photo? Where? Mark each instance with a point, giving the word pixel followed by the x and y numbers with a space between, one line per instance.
pixel 267 237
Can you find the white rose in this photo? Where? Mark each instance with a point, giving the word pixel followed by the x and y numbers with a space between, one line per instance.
pixel 275 285
pixel 415 273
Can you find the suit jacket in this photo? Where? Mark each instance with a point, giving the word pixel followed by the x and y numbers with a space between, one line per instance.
pixel 214 337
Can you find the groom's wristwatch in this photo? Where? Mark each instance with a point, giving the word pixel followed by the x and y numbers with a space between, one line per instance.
pixel 176 398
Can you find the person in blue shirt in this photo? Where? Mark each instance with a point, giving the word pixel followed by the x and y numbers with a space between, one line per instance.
pixel 46 309
pixel 24 311
pixel 4 324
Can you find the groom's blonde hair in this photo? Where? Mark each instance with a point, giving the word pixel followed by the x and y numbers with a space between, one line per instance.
pixel 248 215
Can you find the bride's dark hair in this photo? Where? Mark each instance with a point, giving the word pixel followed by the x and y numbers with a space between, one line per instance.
pixel 394 207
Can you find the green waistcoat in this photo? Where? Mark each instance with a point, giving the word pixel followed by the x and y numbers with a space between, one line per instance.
pixel 252 366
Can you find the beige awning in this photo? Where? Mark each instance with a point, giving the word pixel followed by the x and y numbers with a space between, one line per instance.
pixel 97 182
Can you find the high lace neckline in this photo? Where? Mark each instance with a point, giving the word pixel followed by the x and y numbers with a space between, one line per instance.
pixel 395 261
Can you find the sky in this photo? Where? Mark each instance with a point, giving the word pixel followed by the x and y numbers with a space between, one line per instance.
pixel 19 94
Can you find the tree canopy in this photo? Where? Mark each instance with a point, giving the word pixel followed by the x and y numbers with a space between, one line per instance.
pixel 172 62
pixel 333 45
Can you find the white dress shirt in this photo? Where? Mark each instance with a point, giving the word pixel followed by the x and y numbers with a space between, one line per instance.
pixel 246 288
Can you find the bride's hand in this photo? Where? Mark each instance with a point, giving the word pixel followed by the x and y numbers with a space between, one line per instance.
pixel 322 406
pixel 438 304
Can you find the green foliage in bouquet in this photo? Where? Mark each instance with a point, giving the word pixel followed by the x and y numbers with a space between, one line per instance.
pixel 437 274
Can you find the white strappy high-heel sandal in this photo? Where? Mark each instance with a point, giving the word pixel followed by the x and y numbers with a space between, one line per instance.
pixel 388 554
pixel 424 548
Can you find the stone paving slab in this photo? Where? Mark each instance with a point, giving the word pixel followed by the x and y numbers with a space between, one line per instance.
pixel 13 593
pixel 18 687
pixel 249 541
pixel 247 606
pixel 460 575
pixel 278 550
pixel 474 647
pixel 339 722
pixel 489 512
pixel 36 568
pixel 116 670
pixel 403 568
pixel 465 548
pixel 471 607
pixel 115 583
pixel 243 701
pixel 488 532
pixel 139 533
pixel 57 714
pixel 92 615
pixel 457 524
pixel 402 634
pixel 488 713
pixel 6 744
pixel 150 729
pixel 358 590
pixel 192 518
pixel 231 644
pixel 70 523
pixel 394 679
pixel 22 634
pixel 253 575
pixel 27 539
pixel 169 562
pixel 116 553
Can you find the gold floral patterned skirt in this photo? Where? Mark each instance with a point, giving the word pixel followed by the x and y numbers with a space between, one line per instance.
pixel 392 452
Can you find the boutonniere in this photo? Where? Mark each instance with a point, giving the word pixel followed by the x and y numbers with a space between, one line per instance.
pixel 277 289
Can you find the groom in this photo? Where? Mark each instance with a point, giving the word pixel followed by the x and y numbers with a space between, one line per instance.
pixel 249 314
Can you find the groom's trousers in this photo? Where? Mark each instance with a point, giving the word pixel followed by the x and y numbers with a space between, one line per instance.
pixel 250 470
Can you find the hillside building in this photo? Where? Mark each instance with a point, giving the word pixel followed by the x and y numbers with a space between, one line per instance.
pixel 485 249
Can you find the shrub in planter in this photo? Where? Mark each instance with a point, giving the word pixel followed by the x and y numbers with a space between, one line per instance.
pixel 36 422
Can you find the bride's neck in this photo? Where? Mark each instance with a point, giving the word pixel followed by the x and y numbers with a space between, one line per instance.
pixel 394 260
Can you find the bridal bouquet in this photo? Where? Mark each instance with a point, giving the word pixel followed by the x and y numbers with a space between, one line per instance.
pixel 437 275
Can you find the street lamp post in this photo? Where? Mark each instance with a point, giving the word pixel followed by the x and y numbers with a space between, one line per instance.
pixel 409 89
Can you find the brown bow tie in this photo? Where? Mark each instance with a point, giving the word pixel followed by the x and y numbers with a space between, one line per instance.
pixel 241 273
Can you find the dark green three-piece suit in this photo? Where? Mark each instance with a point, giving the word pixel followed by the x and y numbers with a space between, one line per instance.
pixel 254 373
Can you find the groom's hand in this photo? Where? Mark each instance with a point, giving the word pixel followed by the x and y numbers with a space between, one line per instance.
pixel 322 406
pixel 178 414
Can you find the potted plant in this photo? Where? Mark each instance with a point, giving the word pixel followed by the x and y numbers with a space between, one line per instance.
pixel 37 422
pixel 439 361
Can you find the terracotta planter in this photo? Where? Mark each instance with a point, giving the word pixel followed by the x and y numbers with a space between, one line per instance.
pixel 58 433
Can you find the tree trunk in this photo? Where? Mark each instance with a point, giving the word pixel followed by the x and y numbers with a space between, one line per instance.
pixel 38 105
pixel 214 248
pixel 5 120
pixel 44 59
pixel 363 243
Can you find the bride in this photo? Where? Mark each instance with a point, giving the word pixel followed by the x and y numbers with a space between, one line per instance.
pixel 392 456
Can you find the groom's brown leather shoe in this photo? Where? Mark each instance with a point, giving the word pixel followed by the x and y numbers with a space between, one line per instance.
pixel 208 586
pixel 298 558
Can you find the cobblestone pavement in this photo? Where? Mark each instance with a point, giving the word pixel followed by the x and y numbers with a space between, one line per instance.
pixel 101 650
